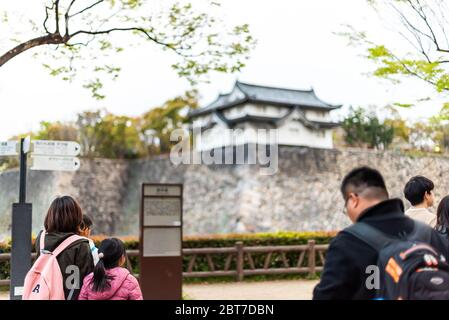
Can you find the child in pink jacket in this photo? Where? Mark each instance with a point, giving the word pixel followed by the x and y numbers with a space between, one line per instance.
pixel 110 281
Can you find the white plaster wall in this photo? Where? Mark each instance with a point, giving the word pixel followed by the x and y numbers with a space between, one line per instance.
pixel 291 132
pixel 318 115
pixel 255 110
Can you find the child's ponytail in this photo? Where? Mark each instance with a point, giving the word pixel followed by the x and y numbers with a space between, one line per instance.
pixel 100 279
pixel 110 253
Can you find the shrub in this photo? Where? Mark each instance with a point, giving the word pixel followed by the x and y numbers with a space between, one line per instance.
pixel 214 241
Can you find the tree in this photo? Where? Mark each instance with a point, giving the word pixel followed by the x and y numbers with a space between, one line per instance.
pixel 424 26
pixel 106 135
pixel 86 124
pixel 118 138
pixel 72 31
pixel 158 123
pixel 435 129
pixel 56 131
pixel 364 129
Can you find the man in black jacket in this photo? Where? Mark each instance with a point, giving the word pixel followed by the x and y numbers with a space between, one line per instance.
pixel 366 199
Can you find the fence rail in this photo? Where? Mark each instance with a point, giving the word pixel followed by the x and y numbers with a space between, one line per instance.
pixel 241 261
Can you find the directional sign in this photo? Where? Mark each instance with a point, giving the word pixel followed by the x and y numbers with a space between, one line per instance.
pixel 8 148
pixel 55 148
pixel 58 163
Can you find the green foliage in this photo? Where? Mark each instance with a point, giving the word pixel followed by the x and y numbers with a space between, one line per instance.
pixel 158 123
pixel 106 135
pixel 117 137
pixel 56 131
pixel 400 127
pixel 403 105
pixel 90 32
pixel 215 241
pixel 444 113
pixel 365 129
pixel 390 65
pixel 95 86
pixel 424 29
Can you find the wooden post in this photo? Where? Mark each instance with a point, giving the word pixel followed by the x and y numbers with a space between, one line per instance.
pixel 312 261
pixel 240 257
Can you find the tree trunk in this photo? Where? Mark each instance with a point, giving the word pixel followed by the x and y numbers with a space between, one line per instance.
pixel 54 38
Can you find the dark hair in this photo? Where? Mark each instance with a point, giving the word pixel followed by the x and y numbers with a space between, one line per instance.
pixel 64 215
pixel 443 214
pixel 112 249
pixel 416 188
pixel 362 179
pixel 86 222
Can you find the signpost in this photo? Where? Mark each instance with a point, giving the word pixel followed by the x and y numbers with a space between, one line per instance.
pixel 54 163
pixel 9 148
pixel 20 231
pixel 161 242
pixel 45 155
pixel 55 148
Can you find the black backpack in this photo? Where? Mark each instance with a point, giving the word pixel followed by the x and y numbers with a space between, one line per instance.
pixel 409 268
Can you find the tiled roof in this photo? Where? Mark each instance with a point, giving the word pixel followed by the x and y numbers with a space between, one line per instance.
pixel 244 92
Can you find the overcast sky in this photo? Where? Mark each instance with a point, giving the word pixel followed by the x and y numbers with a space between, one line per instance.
pixel 297 48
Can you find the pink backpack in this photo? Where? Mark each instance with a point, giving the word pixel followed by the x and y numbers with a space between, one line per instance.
pixel 44 281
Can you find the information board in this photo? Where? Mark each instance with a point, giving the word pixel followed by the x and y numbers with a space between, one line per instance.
pixel 161 241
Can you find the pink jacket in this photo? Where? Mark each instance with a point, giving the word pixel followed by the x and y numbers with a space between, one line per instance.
pixel 124 286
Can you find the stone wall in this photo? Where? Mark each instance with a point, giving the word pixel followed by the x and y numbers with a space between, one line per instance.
pixel 302 195
pixel 99 186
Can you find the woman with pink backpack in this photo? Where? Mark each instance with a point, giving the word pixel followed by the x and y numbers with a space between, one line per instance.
pixel 63 257
pixel 110 281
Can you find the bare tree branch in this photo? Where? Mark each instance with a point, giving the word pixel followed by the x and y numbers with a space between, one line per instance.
pixel 170 46
pixel 87 8
pixel 67 17
pixel 57 15
pixel 421 13
pixel 47 16
pixel 410 25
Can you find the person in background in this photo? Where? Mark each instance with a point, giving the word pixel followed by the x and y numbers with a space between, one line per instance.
pixel 85 230
pixel 419 192
pixel 442 220
pixel 110 281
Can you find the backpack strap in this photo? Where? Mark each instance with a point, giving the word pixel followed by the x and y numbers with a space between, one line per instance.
pixel 421 232
pixel 373 237
pixel 67 242
pixel 42 240
pixel 376 239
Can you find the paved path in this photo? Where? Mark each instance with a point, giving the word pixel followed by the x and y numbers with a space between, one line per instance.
pixel 263 290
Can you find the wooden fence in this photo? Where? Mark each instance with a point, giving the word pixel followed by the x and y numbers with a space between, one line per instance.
pixel 241 261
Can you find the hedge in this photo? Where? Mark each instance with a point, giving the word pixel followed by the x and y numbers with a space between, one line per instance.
pixel 214 241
